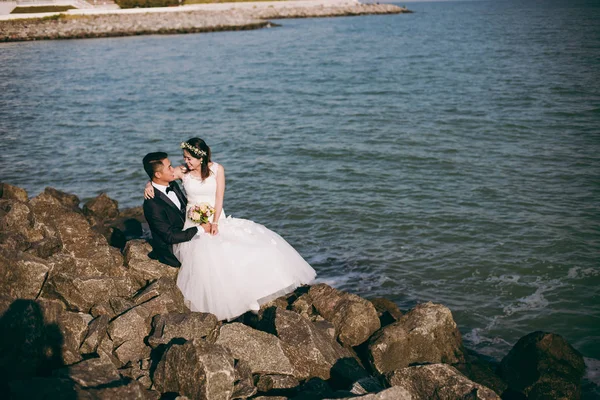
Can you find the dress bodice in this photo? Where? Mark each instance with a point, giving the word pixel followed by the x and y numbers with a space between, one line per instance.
pixel 201 191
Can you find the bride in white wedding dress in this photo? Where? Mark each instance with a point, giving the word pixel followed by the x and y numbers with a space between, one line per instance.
pixel 240 264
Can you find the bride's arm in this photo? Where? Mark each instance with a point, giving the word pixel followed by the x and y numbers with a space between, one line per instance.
pixel 219 198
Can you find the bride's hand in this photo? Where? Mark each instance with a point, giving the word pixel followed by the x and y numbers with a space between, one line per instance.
pixel 214 228
pixel 149 191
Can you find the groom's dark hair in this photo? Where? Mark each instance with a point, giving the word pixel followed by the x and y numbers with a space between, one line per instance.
pixel 153 162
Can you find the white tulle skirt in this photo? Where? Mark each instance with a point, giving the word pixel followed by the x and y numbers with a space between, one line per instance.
pixel 243 266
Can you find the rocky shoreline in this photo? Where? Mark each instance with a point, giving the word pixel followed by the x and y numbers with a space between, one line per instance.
pixel 84 313
pixel 73 26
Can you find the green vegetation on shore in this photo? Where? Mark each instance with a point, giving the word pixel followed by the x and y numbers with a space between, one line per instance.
pixel 146 3
pixel 222 1
pixel 40 9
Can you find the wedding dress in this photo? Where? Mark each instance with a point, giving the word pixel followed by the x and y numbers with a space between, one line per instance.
pixel 245 265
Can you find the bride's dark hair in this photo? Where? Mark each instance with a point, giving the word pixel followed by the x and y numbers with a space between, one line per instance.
pixel 201 145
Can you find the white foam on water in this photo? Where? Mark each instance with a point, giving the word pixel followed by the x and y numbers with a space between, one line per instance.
pixel 592 370
pixel 491 346
pixel 358 282
pixel 536 300
pixel 581 273
pixel 502 279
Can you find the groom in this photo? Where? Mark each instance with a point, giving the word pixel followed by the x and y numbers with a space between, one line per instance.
pixel 165 212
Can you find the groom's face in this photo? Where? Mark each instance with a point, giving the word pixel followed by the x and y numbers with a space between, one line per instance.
pixel 167 173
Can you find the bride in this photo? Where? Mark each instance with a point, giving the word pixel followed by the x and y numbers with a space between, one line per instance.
pixel 240 265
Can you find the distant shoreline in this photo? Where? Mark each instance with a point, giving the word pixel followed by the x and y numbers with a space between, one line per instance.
pixel 93 23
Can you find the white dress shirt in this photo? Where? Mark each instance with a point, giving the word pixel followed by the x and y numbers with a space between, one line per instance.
pixel 171 195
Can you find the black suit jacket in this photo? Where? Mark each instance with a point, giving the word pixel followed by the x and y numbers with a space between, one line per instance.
pixel 166 224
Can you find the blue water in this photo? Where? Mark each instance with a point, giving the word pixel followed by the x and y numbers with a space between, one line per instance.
pixel 450 155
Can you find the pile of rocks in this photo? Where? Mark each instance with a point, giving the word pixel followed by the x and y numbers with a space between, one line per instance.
pixel 83 319
pixel 66 26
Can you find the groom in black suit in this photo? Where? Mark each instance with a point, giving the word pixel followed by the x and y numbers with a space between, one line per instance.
pixel 165 212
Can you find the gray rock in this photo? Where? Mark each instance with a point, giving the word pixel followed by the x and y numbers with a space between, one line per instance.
pixel 161 297
pixel 438 381
pixel 427 334
pixel 15 216
pixel 304 307
pixel 101 207
pixel 166 327
pixel 105 351
pixel 326 327
pixel 244 381
pixel 90 253
pixel 262 351
pixel 66 199
pixel 354 318
pixel 483 370
pixel 119 305
pixel 311 351
pixel 135 372
pixel 73 327
pixel 97 330
pixel 270 398
pixel 126 390
pixel 269 382
pixel 393 393
pixel 22 275
pixel 544 366
pixel 387 310
pixel 196 370
pixel 139 264
pixel 90 373
pixel 81 293
pixel 128 332
pixel 12 192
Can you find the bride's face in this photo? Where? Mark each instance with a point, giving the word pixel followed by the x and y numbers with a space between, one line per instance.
pixel 192 163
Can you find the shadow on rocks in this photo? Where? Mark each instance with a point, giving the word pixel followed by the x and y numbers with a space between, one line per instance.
pixel 29 347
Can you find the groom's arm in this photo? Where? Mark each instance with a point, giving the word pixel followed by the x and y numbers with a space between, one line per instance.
pixel 162 226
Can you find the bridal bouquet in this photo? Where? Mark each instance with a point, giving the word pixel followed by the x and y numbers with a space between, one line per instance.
pixel 200 213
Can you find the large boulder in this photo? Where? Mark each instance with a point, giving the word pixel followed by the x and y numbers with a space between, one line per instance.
pixel 427 334
pixel 66 199
pixel 186 326
pixel 101 207
pixel 244 381
pixel 311 351
pixel 80 293
pixel 12 192
pixel 128 332
pixel 387 310
pixel 544 366
pixel 262 351
pixel 197 370
pixel 393 393
pixel 73 327
pixel 90 251
pixel 438 381
pixel 267 383
pixel 483 370
pixel 139 264
pixel 15 216
pixel 97 330
pixel 90 373
pixel 161 297
pixel 22 275
pixel 355 318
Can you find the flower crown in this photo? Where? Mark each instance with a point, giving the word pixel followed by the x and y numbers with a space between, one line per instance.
pixel 195 150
